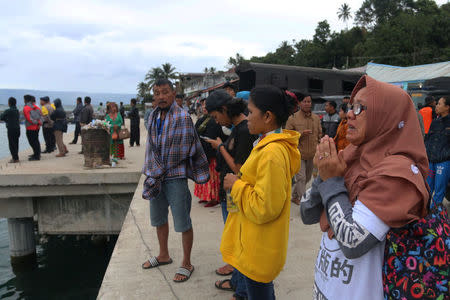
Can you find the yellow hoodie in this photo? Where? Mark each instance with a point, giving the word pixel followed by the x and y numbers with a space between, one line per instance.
pixel 255 239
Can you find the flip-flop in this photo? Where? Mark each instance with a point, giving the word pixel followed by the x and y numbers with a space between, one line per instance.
pixel 155 263
pixel 185 272
pixel 220 285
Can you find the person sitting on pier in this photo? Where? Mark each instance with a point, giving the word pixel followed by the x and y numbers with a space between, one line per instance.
pixel 174 154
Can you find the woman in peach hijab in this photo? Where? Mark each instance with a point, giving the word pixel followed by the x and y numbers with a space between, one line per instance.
pixel 375 184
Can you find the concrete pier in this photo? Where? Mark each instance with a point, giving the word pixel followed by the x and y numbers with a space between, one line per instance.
pixel 63 197
pixel 125 279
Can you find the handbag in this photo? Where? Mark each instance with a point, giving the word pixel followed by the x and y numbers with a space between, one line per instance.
pixel 124 133
pixel 417 258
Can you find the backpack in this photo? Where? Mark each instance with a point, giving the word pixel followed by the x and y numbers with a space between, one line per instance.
pixel 36 116
pixel 416 258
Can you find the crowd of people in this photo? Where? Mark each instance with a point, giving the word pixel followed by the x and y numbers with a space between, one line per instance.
pixel 376 178
pixel 53 120
pixel 379 172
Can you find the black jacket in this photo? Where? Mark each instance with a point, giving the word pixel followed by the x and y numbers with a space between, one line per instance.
pixel 59 117
pixel 11 117
pixel 134 116
pixel 437 141
pixel 211 130
pixel 122 112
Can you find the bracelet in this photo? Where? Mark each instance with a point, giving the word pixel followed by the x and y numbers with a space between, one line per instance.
pixel 218 148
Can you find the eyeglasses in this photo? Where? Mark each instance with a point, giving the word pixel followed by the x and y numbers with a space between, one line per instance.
pixel 357 108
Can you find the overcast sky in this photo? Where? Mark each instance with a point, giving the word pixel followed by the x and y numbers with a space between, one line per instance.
pixel 108 46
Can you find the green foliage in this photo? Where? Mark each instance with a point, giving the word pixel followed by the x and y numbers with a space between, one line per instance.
pixel 165 71
pixel 236 61
pixel 397 32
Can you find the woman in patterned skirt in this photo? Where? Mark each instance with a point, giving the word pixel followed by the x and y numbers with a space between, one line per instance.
pixel 207 128
pixel 115 119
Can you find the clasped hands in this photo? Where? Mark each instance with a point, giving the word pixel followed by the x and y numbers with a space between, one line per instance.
pixel 329 162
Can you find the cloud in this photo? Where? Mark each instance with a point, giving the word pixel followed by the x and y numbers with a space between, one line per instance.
pixel 109 45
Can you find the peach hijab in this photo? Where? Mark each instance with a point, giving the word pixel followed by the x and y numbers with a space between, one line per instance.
pixel 388 171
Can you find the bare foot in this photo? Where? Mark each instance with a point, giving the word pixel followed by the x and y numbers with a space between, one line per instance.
pixel 296 201
pixel 225 270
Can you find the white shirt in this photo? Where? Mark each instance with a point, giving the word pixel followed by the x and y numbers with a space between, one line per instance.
pixel 337 277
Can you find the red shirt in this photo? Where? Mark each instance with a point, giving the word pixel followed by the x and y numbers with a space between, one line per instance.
pixel 29 124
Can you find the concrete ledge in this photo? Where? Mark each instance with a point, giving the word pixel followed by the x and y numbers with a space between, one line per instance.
pixel 72 178
pixel 91 214
pixel 16 208
pixel 125 279
pixel 67 190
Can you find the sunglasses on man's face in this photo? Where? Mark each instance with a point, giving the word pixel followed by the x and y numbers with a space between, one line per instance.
pixel 357 108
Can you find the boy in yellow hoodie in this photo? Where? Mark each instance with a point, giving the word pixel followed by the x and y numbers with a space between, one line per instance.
pixel 255 237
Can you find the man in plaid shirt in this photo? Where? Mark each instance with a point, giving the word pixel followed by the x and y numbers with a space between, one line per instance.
pixel 173 154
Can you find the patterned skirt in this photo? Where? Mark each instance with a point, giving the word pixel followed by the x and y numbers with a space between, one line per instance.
pixel 117 150
pixel 209 191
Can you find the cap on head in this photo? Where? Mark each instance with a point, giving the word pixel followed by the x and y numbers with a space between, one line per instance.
pixel 217 99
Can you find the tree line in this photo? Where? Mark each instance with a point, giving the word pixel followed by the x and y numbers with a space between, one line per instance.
pixel 395 32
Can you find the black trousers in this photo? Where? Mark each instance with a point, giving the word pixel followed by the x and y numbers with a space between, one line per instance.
pixel 135 134
pixel 49 137
pixel 13 140
pixel 33 140
pixel 77 132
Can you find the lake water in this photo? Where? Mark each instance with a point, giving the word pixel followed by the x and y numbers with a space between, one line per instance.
pixel 66 269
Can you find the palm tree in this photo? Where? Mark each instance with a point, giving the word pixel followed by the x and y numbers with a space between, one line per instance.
pixel 212 70
pixel 236 61
pixel 142 89
pixel 153 75
pixel 168 71
pixel 344 13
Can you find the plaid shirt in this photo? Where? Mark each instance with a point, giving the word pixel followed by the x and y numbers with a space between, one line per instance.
pixel 176 153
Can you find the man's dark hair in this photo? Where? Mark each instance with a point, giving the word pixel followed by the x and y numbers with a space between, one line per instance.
pixel 164 81
pixel 12 101
pixel 428 100
pixel 346 97
pixel 79 100
pixel 87 100
pixel 300 98
pixel 343 106
pixel 229 85
pixel 121 103
pixel 270 98
pixel 101 103
pixel 29 98
pixel 332 103
pixel 46 99
pixel 132 101
pixel 179 96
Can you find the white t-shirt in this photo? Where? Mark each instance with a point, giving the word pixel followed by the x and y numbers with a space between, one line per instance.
pixel 337 277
